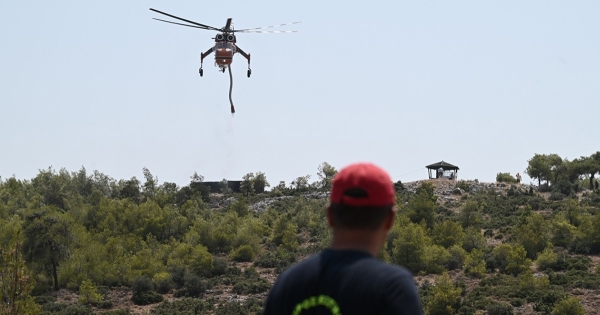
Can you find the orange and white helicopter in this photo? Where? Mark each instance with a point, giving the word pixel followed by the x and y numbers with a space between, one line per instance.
pixel 225 42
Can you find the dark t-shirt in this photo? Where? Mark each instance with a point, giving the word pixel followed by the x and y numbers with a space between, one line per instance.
pixel 343 282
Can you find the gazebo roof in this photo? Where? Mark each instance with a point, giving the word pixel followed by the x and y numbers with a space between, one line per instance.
pixel 442 164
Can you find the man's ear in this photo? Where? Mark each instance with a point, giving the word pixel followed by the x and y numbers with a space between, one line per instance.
pixel 330 216
pixel 389 220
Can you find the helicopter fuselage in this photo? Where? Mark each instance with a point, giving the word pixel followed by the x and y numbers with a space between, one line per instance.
pixel 224 49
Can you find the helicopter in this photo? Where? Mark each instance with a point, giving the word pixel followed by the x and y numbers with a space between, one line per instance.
pixel 225 42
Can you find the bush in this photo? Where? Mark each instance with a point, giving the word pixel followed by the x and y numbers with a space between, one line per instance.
pixel 547 299
pixel 142 284
pixel 243 253
pixel 88 293
pixel 232 308
pixel 117 312
pixel 219 266
pixel 475 265
pixel 185 306
pixel 43 299
pixel 568 306
pixel 505 178
pixel 464 185
pixel 279 260
pixel 457 257
pixel 500 309
pixel 146 298
pixel 555 195
pixel 254 305
pixel 104 304
pixel 252 286
pixel 177 273
pixel 76 309
pixel 546 259
pixel 565 187
pixel 163 282
pixel 193 286
pixel 516 302
pixel 52 308
pixel 143 293
pixel 443 297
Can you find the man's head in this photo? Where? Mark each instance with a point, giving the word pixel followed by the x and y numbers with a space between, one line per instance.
pixel 362 197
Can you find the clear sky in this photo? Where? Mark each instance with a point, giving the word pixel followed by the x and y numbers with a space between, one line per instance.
pixel 481 84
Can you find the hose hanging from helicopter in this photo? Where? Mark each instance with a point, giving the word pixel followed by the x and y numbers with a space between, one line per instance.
pixel 231 88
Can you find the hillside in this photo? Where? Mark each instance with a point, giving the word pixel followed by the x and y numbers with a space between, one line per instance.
pixel 161 249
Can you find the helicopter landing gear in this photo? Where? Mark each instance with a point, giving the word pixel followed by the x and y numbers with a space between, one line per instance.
pixel 249 72
pixel 201 71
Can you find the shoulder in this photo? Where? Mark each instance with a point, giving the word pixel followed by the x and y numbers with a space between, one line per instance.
pixel 393 286
pixel 401 295
pixel 292 285
pixel 301 272
pixel 309 265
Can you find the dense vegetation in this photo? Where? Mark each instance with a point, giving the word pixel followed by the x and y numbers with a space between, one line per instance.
pixel 489 250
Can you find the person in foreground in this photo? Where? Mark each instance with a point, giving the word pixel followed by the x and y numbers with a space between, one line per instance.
pixel 346 278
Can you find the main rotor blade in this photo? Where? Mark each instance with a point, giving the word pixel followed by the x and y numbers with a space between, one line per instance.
pixel 260 28
pixel 202 28
pixel 192 22
pixel 264 32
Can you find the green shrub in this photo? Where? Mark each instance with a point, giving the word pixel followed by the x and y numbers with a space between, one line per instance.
pixel 280 260
pixel 219 266
pixel 443 297
pixel 516 302
pixel 564 187
pixel 435 258
pixel 193 286
pixel 474 264
pixel 505 178
pixel 117 312
pixel 243 253
pixel 464 185
pixel 253 305
pixel 568 306
pixel 185 306
pixel 546 300
pixel 252 286
pixel 88 293
pixel 104 304
pixel 231 308
pixel 251 273
pixel 163 282
pixel 555 195
pixel 142 284
pixel 546 259
pixel 177 274
pixel 500 309
pixel 43 299
pixel 143 293
pixel 53 307
pixel 76 309
pixel 457 257
pixel 146 298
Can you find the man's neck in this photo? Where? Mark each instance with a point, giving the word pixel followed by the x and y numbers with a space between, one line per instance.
pixel 366 240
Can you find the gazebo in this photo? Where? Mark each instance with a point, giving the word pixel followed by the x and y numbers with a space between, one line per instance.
pixel 450 170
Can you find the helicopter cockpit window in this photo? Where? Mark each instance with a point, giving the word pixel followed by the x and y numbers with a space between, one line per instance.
pixel 219 45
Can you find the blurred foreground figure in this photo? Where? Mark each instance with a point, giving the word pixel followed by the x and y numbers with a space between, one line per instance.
pixel 346 278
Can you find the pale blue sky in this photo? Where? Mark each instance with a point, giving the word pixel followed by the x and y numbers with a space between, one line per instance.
pixel 481 84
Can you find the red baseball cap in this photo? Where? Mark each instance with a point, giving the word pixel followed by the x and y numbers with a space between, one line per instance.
pixel 363 185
